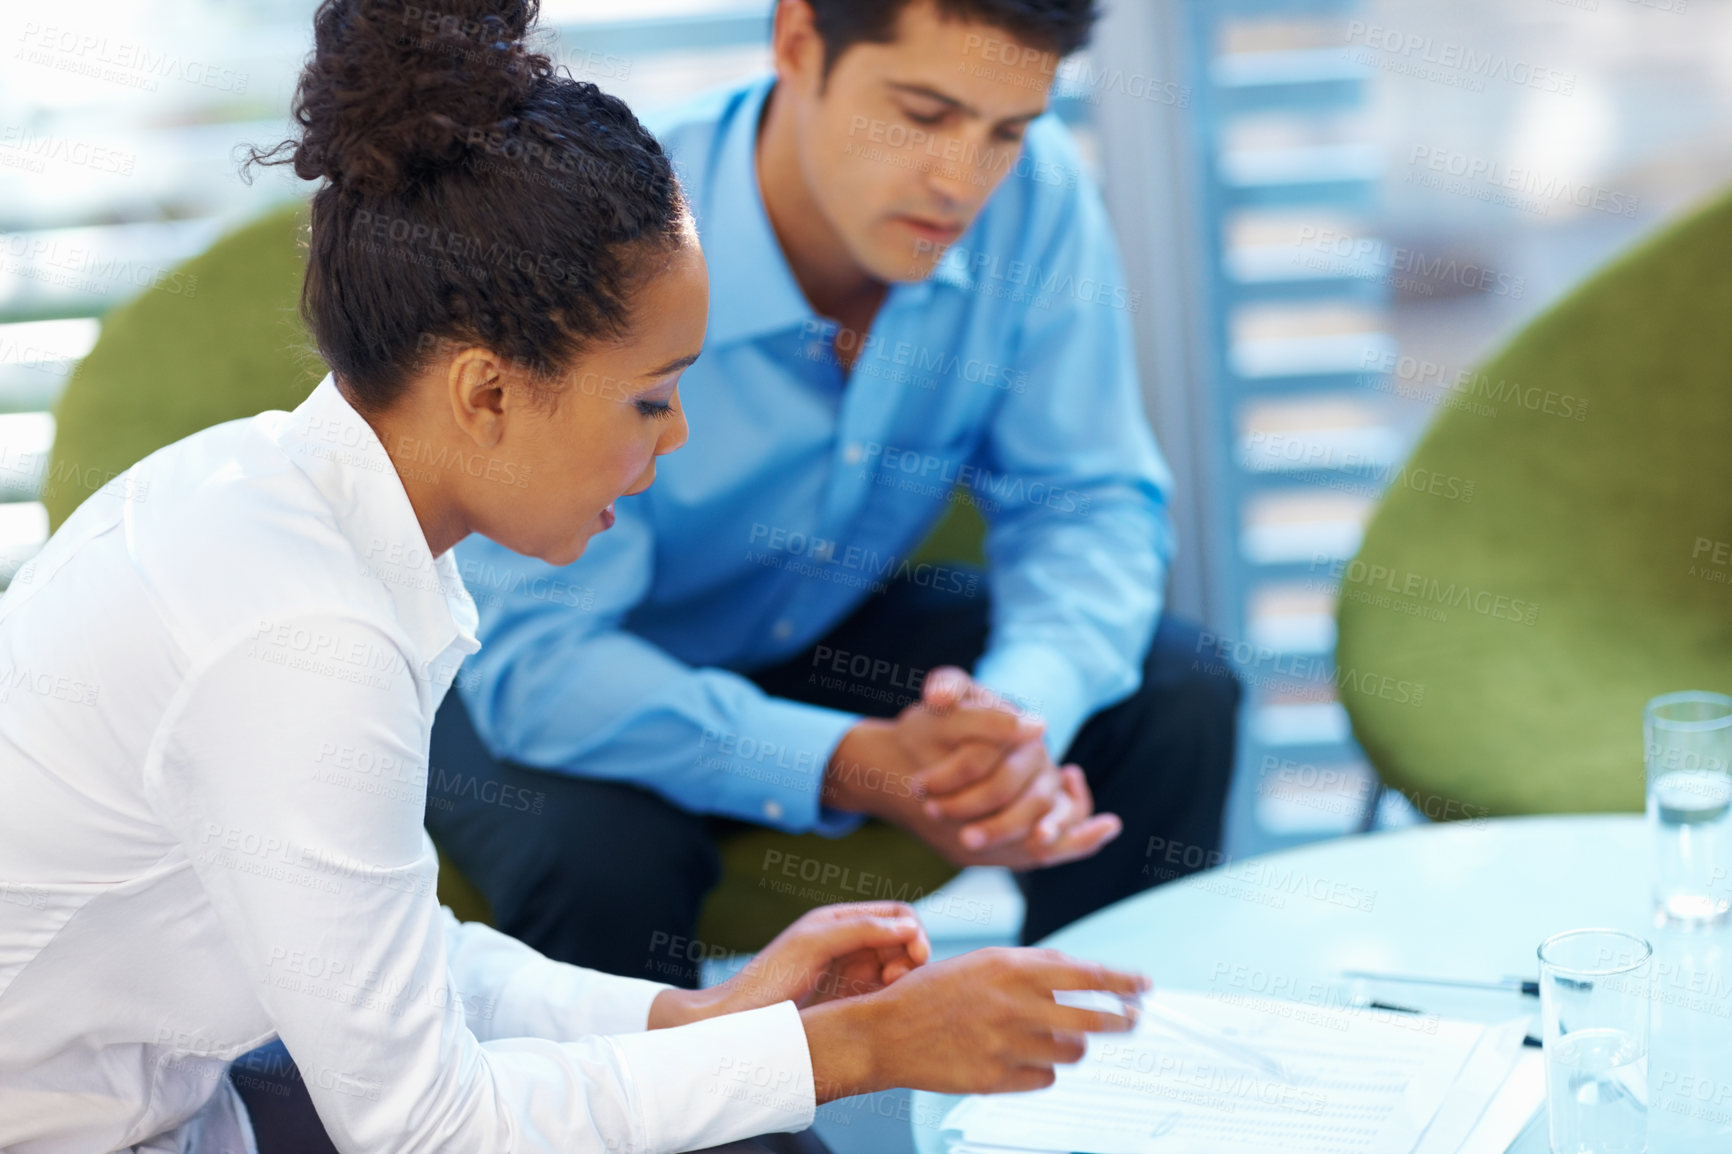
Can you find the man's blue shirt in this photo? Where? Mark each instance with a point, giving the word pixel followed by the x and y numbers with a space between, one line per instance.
pixel 1007 377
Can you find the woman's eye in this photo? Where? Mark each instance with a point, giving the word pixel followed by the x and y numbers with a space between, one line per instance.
pixel 661 410
pixel 926 118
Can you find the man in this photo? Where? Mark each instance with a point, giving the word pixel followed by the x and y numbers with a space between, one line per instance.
pixel 917 300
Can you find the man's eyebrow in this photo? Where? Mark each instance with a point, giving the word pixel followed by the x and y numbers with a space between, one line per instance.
pixel 951 101
pixel 674 365
pixel 933 94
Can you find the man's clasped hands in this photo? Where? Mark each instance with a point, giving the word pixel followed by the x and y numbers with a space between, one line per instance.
pixel 970 774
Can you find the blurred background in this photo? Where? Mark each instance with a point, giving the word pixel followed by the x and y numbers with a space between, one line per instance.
pixel 1329 210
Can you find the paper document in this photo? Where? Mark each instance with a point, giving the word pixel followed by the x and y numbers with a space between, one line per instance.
pixel 1518 1101
pixel 1359 1082
pixel 1484 1073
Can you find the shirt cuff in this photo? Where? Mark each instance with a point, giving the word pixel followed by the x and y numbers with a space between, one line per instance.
pixel 549 999
pixel 722 1079
pixel 1041 680
pixel 784 775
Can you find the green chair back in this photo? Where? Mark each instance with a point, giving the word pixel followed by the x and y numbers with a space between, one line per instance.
pixel 1558 549
pixel 166 366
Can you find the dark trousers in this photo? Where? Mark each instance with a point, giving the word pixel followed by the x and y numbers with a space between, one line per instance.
pixel 593 871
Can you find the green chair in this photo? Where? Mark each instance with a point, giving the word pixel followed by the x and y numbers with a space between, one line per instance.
pixel 1558 548
pixel 166 366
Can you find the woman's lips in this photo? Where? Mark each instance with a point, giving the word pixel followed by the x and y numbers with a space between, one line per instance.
pixel 607 517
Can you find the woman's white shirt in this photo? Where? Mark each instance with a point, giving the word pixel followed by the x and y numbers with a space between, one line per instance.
pixel 217 684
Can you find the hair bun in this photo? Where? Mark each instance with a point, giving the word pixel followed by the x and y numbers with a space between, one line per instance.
pixel 394 89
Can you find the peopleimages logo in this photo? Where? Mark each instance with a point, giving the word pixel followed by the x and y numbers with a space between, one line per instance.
pixel 1026 282
pixel 1467 387
pixel 124 62
pixel 1517 186
pixel 992 490
pixel 67 150
pixel 806 555
pixel 1451 62
pixel 1407 269
pixel 1425 596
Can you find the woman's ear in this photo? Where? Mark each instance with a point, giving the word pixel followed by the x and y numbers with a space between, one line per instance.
pixel 476 385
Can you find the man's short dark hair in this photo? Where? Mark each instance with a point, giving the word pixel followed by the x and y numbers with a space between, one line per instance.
pixel 1056 26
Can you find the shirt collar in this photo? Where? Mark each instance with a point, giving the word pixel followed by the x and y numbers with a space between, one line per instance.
pixel 953 268
pixel 759 294
pixel 340 453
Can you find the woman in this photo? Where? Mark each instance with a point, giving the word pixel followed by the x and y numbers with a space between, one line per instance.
pixel 216 839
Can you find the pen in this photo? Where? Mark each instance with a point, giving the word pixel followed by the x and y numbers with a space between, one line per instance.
pixel 1197 1032
pixel 1374 1004
pixel 1515 985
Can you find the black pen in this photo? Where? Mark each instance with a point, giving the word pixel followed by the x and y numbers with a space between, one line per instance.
pixel 1392 1007
pixel 1514 985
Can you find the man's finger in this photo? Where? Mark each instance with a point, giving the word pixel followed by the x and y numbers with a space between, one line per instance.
pixel 944 687
pixel 1018 819
pixel 1078 786
pixel 1007 781
pixel 971 762
pixel 1075 805
pixel 993 726
pixel 1081 840
pixel 1059 817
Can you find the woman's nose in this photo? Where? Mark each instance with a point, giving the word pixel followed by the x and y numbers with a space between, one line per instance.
pixel 676 434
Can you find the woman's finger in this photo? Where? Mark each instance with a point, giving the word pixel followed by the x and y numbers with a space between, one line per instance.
pixel 845 932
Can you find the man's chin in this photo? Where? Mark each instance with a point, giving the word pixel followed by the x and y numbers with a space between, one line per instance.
pixel 906 264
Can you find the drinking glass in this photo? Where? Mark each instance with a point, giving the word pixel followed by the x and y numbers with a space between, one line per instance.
pixel 1595 990
pixel 1687 744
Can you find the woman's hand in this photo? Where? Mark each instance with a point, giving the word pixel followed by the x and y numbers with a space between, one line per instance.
pixel 831 952
pixel 834 952
pixel 982 1023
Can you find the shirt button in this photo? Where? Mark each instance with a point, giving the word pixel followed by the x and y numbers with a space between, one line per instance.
pixel 773 809
pixel 783 629
pixel 852 454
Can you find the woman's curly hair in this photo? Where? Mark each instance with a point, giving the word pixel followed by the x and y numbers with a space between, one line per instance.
pixel 472 193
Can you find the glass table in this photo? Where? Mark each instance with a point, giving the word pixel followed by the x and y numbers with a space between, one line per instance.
pixel 1469 900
